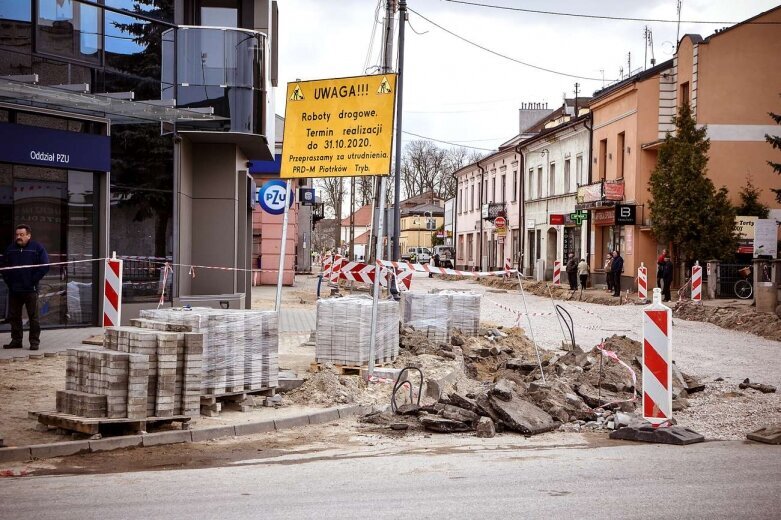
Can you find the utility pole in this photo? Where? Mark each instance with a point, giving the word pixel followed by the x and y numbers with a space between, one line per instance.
pixel 678 30
pixel 352 219
pixel 577 87
pixel 399 105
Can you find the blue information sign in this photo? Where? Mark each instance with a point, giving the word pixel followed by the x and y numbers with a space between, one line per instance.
pixel 38 146
pixel 272 197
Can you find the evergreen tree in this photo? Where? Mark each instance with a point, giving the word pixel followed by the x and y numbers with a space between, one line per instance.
pixel 749 201
pixel 687 210
pixel 775 142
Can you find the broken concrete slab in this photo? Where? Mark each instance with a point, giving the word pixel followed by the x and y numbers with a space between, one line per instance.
pixel 408 409
pixel 767 435
pixel 503 389
pixel 661 435
pixel 462 402
pixel 442 425
pixel 486 428
pixel 523 416
pixel 765 389
pixel 459 414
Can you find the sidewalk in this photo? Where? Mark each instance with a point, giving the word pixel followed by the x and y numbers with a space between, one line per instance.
pixel 296 320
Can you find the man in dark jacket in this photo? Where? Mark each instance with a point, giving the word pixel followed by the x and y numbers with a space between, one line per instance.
pixel 23 284
pixel 572 272
pixel 667 278
pixel 617 267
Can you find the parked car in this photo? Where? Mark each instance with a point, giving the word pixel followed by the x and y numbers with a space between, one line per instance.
pixel 422 254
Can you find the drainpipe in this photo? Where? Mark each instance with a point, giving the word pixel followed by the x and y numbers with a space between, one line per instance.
pixel 590 125
pixel 522 209
pixel 480 242
pixel 455 224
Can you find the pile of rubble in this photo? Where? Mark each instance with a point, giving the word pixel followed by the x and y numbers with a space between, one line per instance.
pixel 584 389
pixel 735 317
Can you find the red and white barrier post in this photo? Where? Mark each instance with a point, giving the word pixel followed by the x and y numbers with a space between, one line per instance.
pixel 112 292
pixel 697 282
pixel 642 282
pixel 657 361
pixel 327 264
pixel 336 268
pixel 556 272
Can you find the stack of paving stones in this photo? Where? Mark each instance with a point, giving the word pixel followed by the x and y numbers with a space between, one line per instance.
pixel 175 364
pixel 102 383
pixel 343 331
pixel 439 314
pixel 240 347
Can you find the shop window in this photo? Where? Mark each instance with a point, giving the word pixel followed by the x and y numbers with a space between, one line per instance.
pixel 15 25
pixel 69 29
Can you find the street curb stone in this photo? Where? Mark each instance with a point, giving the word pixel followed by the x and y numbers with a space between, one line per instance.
pixel 61 449
pixel 15 454
pixel 58 449
pixel 291 422
pixel 324 416
pixel 172 437
pixel 217 432
pixel 253 428
pixel 116 443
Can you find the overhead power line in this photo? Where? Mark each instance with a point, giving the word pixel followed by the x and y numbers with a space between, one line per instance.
pixel 514 60
pixel 603 17
pixel 451 143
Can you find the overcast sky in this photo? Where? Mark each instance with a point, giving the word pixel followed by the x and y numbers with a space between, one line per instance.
pixel 456 92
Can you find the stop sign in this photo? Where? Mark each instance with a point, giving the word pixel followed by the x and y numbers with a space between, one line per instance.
pixel 500 222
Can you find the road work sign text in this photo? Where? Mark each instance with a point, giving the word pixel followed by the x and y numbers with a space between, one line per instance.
pixel 339 127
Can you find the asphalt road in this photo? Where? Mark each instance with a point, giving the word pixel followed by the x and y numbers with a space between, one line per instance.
pixel 493 478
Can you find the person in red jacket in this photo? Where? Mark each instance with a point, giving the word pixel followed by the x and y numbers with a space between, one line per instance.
pixel 660 268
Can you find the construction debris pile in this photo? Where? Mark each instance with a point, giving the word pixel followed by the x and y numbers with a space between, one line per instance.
pixel 343 331
pixel 240 347
pixel 439 314
pixel 581 389
pixel 735 317
pixel 141 373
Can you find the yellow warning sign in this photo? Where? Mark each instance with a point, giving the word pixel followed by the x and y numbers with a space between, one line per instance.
pixel 339 127
pixel 297 94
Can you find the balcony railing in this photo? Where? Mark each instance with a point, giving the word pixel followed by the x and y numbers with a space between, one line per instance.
pixel 223 69
pixel 494 209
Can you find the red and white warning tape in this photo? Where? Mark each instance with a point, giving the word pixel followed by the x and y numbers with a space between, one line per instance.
pixel 612 355
pixel 427 268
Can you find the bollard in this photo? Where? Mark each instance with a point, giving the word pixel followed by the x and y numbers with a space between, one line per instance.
pixel 556 272
pixel 112 292
pixel 697 283
pixel 642 282
pixel 657 361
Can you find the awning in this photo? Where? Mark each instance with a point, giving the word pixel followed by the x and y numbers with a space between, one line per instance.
pixel 116 109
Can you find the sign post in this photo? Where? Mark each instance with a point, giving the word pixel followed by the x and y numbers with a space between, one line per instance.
pixel 278 301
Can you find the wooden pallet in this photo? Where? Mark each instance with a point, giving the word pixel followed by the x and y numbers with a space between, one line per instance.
pixel 104 425
pixel 212 405
pixel 345 370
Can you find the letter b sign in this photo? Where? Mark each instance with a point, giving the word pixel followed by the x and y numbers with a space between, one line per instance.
pixel 625 215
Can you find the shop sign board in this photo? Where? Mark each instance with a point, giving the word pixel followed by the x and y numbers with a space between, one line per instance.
pixel 38 146
pixel 339 127
pixel 272 197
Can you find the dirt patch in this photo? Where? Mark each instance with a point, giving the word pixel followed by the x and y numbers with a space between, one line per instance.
pixel 29 386
pixel 559 292
pixel 738 317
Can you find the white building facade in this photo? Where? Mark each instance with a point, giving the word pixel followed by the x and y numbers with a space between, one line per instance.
pixel 555 163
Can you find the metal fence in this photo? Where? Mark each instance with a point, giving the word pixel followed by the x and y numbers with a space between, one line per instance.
pixel 728 275
pixel 142 280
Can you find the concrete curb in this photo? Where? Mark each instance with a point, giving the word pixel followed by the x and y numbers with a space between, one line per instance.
pixel 63 449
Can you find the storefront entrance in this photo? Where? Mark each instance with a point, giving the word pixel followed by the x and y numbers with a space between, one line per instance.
pixel 60 207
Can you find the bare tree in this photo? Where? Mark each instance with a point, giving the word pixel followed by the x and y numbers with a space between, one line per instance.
pixel 365 191
pixel 323 234
pixel 333 192
pixel 426 167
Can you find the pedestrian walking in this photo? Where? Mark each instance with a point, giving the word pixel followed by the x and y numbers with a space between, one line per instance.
pixel 572 272
pixel 667 278
pixel 23 284
pixel 609 272
pixel 583 273
pixel 436 264
pixel 617 267
pixel 660 268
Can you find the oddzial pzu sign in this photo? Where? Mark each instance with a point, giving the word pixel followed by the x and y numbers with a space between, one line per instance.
pixel 339 127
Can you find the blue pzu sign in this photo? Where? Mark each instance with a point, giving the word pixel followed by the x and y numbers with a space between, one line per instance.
pixel 272 197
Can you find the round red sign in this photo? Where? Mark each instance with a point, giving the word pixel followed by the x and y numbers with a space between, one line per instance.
pixel 500 222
